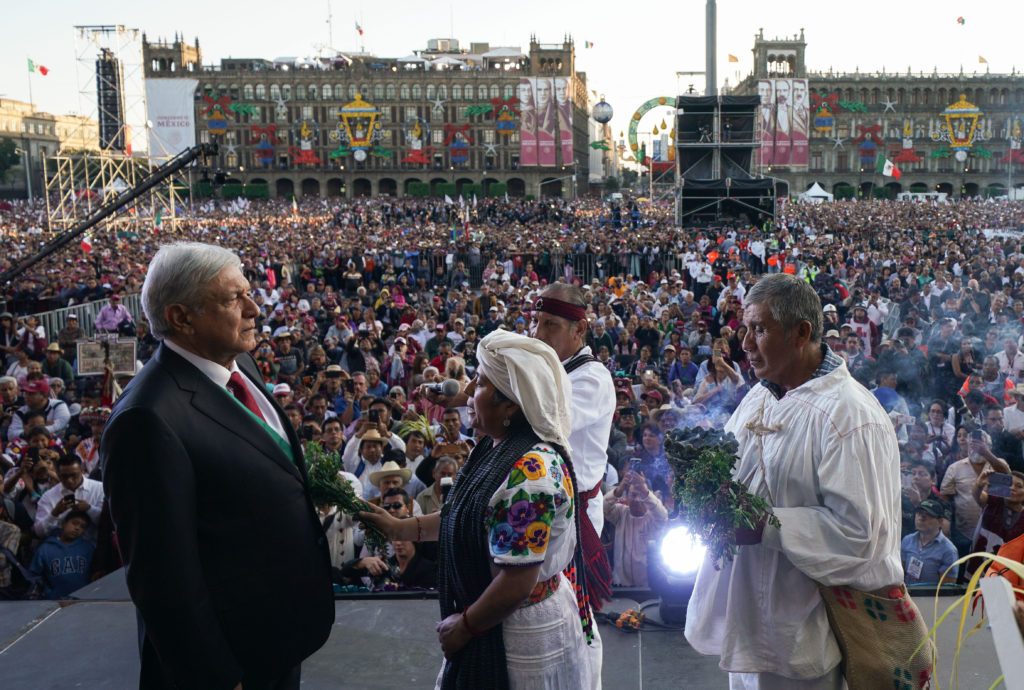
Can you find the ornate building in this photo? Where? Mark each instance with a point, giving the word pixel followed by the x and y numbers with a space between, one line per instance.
pixel 441 120
pixel 953 133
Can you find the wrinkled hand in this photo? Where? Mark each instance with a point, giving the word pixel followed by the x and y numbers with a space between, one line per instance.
pixel 373 565
pixel 452 635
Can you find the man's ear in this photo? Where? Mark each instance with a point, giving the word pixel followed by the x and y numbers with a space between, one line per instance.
pixel 179 317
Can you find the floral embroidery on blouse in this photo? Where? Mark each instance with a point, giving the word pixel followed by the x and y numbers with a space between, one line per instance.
pixel 538 491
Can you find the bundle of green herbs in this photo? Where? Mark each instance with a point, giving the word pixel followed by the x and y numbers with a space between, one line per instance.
pixel 328 488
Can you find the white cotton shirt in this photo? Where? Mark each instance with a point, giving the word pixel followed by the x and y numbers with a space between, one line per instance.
pixel 593 405
pixel 90 491
pixel 833 472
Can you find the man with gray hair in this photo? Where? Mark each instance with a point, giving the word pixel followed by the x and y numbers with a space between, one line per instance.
pixel 226 560
pixel 819 448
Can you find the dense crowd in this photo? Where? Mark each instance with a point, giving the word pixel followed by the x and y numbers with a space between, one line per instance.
pixel 369 305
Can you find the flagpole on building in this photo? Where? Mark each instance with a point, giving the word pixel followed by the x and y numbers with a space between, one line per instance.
pixel 31 102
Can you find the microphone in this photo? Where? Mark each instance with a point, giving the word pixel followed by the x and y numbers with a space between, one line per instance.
pixel 447 388
pixel 446 487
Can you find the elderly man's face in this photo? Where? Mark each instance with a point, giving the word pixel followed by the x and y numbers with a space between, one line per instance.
pixel 8 392
pixel 225 326
pixel 391 482
pixel 452 422
pixel 770 350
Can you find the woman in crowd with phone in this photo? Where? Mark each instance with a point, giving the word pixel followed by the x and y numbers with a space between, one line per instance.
pixel 1001 496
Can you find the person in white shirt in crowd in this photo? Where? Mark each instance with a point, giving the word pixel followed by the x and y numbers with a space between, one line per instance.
pixel 819 448
pixel 637 516
pixel 74 492
pixel 370 451
pixel 1010 358
pixel 960 478
pixel 377 419
pixel 38 401
pixel 1013 416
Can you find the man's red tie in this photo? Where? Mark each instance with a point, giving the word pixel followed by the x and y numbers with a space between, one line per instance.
pixel 238 388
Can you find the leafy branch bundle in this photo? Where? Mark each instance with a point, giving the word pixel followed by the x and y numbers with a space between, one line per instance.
pixel 710 502
pixel 328 488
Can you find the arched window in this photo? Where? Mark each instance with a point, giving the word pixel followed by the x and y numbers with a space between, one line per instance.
pixel 389 92
pixel 364 89
pixel 275 92
pixel 233 91
pixel 495 91
pixel 378 92
pixel 261 92
pixel 352 91
pixel 417 92
pixel 339 92
pixel 456 92
pixel 442 92
pixel 469 92
pixel 313 92
pixel 327 93
pixel 431 92
pixel 300 92
pixel 286 91
pixel 247 92
pixel 509 91
pixel 404 92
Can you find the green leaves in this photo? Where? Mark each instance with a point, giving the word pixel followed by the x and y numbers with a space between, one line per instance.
pixel 327 487
pixel 710 502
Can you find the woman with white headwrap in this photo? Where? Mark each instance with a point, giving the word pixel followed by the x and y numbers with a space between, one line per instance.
pixel 508 532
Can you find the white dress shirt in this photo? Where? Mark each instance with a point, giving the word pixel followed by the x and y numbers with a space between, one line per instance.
pixel 90 491
pixel 220 377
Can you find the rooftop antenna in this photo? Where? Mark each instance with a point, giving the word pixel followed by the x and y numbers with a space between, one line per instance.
pixel 330 27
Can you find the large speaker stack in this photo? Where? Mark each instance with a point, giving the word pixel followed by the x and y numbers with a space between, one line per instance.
pixel 110 101
pixel 715 141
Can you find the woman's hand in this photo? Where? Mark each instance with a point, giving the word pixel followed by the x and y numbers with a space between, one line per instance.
pixel 452 634
pixel 379 518
pixel 373 565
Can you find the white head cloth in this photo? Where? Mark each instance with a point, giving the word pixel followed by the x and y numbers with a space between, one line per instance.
pixel 530 374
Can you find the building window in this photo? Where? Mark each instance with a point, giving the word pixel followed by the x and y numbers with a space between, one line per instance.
pixel 247 92
pixel 261 92
pixel 469 92
pixel 456 92
pixel 417 92
pixel 352 91
pixel 286 91
pixel 365 91
pixel 256 115
pixel 509 91
pixel 389 92
pixel 307 112
pixel 231 160
pixel 339 92
pixel 275 92
pixel 410 113
pixel 404 92
pixel 431 93
pixel 442 91
pixel 437 137
pixel 312 92
pixel 488 136
pixel 300 92
pixel 495 91
pixel 327 93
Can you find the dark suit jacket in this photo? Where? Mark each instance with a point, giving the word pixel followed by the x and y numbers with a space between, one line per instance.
pixel 226 560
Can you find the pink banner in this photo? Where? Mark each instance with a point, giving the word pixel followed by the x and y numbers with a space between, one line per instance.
pixel 766 121
pixel 547 118
pixel 563 103
pixel 799 152
pixel 784 115
pixel 528 128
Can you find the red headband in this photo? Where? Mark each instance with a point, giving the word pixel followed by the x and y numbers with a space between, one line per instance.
pixel 557 307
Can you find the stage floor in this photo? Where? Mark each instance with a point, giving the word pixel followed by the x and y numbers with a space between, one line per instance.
pixel 376 644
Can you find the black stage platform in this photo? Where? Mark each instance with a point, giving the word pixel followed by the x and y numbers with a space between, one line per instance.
pixel 378 643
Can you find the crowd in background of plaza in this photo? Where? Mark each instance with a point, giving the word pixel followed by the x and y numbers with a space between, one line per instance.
pixel 363 301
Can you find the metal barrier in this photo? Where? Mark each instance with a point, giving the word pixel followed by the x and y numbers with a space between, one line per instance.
pixel 53 321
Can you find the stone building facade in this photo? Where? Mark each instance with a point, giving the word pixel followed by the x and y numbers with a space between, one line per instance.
pixel 279 118
pixel 912 129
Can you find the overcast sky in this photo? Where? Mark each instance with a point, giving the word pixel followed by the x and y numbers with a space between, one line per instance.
pixel 638 47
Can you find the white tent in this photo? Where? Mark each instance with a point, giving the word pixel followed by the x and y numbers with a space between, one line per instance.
pixel 816 194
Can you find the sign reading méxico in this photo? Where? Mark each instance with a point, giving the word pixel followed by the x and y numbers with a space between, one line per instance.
pixel 170 109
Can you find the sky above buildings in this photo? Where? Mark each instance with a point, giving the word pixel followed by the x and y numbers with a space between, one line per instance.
pixel 637 47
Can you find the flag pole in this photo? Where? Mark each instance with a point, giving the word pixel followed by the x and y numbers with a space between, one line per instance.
pixel 31 102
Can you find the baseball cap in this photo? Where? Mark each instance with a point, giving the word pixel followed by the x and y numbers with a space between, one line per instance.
pixel 282 389
pixel 41 386
pixel 833 333
pixel 402 328
pixel 829 308
pixel 931 506
pixel 653 395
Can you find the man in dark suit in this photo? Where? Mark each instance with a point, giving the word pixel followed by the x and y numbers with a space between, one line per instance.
pixel 226 561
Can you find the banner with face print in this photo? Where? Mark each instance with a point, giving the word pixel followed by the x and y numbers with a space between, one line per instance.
pixel 547 120
pixel 784 116
pixel 528 119
pixel 563 106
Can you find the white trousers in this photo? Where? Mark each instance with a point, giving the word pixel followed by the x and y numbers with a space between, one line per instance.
pixel 770 681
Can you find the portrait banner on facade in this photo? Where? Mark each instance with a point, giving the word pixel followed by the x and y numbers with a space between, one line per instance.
pixel 784 116
pixel 170 110
pixel 766 121
pixel 563 105
pixel 528 119
pixel 547 121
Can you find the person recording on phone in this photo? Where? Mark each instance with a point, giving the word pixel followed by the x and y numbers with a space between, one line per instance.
pixel 1001 496
pixel 378 420
pixel 893 403
pixel 74 492
pixel 958 486
pixel 433 497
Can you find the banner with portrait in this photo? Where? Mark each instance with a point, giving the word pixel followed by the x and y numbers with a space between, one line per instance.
pixel 547 121
pixel 563 106
pixel 784 117
pixel 528 118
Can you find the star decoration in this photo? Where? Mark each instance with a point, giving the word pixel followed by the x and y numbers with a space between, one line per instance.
pixel 889 105
pixel 837 142
pixel 490 150
pixel 438 104
pixel 232 149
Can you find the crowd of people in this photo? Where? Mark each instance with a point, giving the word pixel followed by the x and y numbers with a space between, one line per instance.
pixel 367 307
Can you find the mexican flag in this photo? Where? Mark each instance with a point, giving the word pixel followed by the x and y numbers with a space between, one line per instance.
pixel 33 67
pixel 158 222
pixel 295 206
pixel 87 244
pixel 886 167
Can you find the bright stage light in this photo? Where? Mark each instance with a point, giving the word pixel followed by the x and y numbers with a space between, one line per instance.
pixel 681 551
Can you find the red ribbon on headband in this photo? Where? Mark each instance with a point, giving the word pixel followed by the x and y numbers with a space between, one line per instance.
pixel 557 307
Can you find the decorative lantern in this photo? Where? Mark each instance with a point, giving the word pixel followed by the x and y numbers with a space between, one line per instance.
pixel 603 112
pixel 359 127
pixel 961 127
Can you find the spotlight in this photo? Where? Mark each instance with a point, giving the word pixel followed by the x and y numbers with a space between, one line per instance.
pixel 672 566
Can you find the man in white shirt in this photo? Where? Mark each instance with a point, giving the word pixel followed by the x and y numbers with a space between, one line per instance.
pixel 1010 359
pixel 837 500
pixel 74 492
pixel 1013 416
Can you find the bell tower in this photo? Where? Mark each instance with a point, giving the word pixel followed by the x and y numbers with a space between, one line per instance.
pixel 779 57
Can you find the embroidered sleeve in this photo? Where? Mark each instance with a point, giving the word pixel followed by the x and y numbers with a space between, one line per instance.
pixel 522 511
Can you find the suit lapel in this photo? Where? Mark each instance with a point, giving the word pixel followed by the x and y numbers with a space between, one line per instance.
pixel 213 402
pixel 248 366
